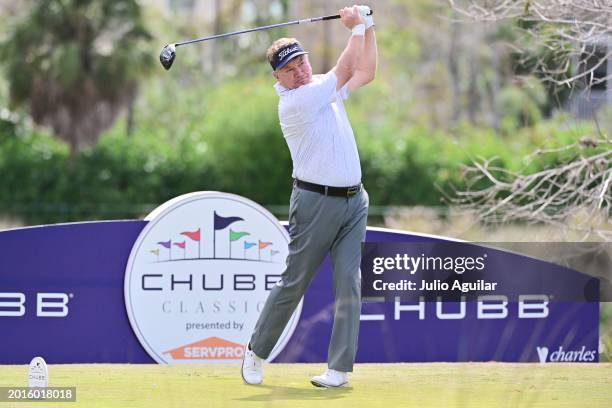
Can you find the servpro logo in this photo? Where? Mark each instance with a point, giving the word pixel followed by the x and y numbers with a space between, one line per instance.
pixel 212 348
pixel 198 277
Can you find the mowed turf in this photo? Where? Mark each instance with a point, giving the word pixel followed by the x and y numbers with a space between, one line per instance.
pixel 287 385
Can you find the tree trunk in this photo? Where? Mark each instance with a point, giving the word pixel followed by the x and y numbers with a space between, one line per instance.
pixel 473 89
pixel 285 8
pixel 494 87
pixel 326 61
pixel 129 127
pixel 218 26
pixel 453 67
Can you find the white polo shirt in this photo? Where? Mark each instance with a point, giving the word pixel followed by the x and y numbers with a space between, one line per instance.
pixel 318 132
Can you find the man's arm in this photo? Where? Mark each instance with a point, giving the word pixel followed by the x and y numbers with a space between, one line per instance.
pixel 366 70
pixel 349 59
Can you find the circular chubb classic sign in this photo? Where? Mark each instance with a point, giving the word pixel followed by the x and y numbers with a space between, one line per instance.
pixel 198 277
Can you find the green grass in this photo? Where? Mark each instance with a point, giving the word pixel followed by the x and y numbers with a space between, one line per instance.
pixel 372 385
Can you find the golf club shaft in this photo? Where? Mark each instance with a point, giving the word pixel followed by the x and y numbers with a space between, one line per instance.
pixel 307 20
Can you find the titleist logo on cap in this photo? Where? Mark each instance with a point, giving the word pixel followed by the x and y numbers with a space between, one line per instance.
pixel 285 54
pixel 288 51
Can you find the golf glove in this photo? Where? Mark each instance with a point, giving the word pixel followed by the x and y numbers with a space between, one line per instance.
pixel 367 19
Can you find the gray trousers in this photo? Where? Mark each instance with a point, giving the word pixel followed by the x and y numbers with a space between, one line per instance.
pixel 320 224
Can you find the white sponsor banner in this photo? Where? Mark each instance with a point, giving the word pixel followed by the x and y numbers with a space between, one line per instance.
pixel 199 274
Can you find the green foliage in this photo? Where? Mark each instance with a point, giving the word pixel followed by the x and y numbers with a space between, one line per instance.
pixel 228 139
pixel 247 150
pixel 547 55
pixel 521 106
pixel 74 63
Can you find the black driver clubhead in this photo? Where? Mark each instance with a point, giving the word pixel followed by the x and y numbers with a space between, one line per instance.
pixel 167 56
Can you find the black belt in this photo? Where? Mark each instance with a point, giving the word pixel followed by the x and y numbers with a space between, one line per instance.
pixel 328 190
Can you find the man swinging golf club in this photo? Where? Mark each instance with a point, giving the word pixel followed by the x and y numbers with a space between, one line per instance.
pixel 328 206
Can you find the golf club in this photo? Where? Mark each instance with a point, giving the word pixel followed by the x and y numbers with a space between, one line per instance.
pixel 168 53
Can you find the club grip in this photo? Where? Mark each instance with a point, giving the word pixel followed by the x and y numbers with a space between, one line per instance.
pixel 336 16
pixel 332 17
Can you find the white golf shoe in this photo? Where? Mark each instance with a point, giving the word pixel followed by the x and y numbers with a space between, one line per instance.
pixel 330 378
pixel 252 370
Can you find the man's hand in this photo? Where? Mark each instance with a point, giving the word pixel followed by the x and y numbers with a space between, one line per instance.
pixel 366 16
pixel 350 17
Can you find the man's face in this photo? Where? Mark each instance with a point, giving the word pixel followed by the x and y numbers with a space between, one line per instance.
pixel 296 73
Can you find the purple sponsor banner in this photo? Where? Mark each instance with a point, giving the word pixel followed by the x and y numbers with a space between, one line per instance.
pixel 419 332
pixel 62 297
pixel 83 261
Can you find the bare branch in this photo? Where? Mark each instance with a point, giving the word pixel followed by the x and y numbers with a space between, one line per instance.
pixel 577 33
pixel 551 196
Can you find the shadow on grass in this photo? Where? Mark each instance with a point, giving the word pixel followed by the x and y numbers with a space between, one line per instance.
pixel 279 393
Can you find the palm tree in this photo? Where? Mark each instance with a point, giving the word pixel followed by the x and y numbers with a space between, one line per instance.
pixel 75 63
